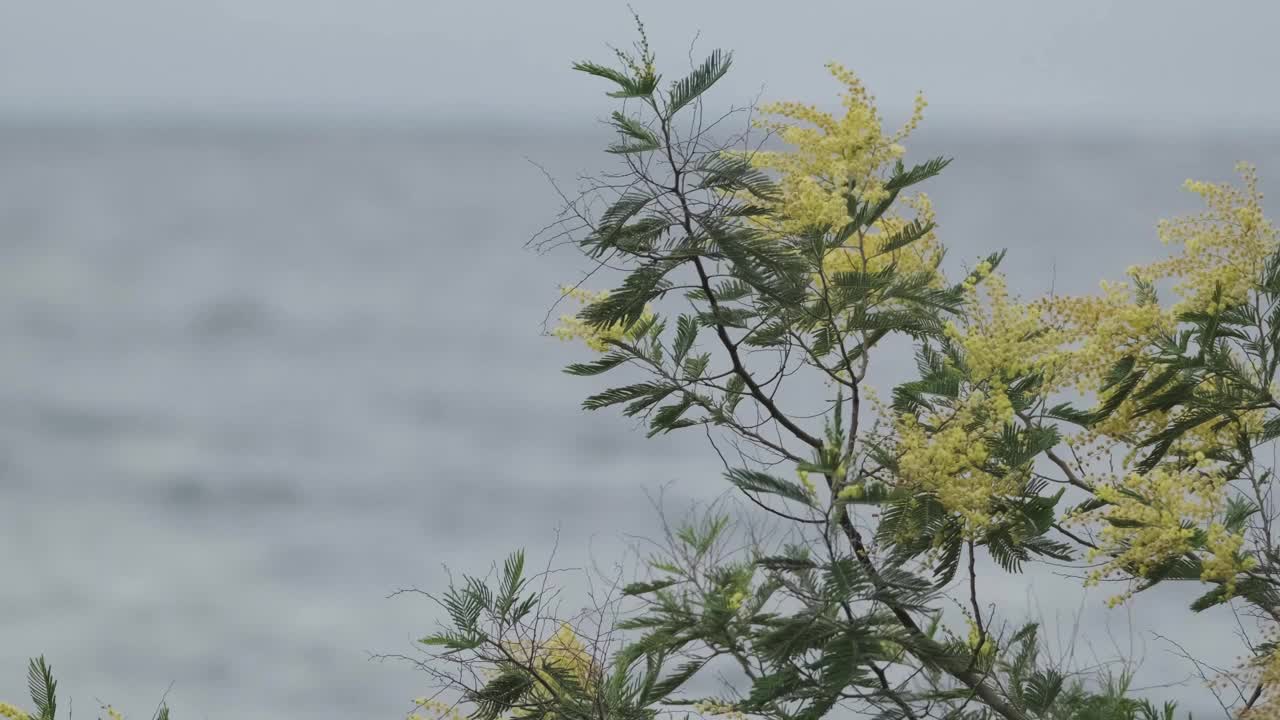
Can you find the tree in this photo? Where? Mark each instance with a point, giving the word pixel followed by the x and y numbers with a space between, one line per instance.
pixel 1118 432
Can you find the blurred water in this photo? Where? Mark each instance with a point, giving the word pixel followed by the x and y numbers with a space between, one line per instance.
pixel 252 381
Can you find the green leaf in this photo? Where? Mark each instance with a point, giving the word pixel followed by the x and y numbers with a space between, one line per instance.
pixel 903 179
pixel 453 641
pixel 627 304
pixel 628 87
pixel 786 563
pixel 43 688
pixel 1239 509
pixel 637 137
pixel 659 691
pixel 907 235
pixel 686 334
pixel 644 403
pixel 1068 413
pixel 1119 384
pixel 731 173
pixel 667 418
pixel 755 481
pixel 512 582
pixel 465 605
pixel 644 588
pixel 503 692
pixel 630 148
pixel 697 82
pixel 1214 597
pixel 695 366
pixel 728 317
pixel 638 237
pixel 633 128
pixel 596 367
pixel 1041 689
pixel 1185 422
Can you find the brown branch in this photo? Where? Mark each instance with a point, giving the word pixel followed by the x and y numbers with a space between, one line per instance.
pixel 1257 693
pixel 1071 475
pixel 686 222
pixel 973 601
pixel 953 666
pixel 1073 536
pixel 897 700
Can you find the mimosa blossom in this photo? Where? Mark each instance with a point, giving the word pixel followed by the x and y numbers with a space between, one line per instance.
pixel 572 327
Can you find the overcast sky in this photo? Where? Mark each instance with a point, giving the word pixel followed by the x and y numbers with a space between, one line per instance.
pixel 1149 65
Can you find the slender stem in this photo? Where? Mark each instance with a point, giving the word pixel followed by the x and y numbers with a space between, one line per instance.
pixel 1257 693
pixel 738 367
pixel 686 222
pixel 973 601
pixel 1073 536
pixel 954 666
pixel 897 700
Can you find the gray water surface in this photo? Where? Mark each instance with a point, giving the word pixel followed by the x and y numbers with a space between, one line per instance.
pixel 254 381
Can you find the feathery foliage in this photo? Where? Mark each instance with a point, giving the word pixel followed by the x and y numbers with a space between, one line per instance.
pixel 1116 433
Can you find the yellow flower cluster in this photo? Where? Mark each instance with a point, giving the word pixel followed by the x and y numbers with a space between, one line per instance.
pixel 949 458
pixel 1220 252
pixel 1103 328
pixel 15 713
pixel 1222 560
pixel 832 156
pixel 1224 248
pixel 866 252
pixel 564 652
pixel 988 648
pixel 1096 332
pixel 946 454
pixel 428 709
pixel 852 492
pixel 719 710
pixel 1158 515
pixel 809 487
pixel 1003 339
pixel 572 327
